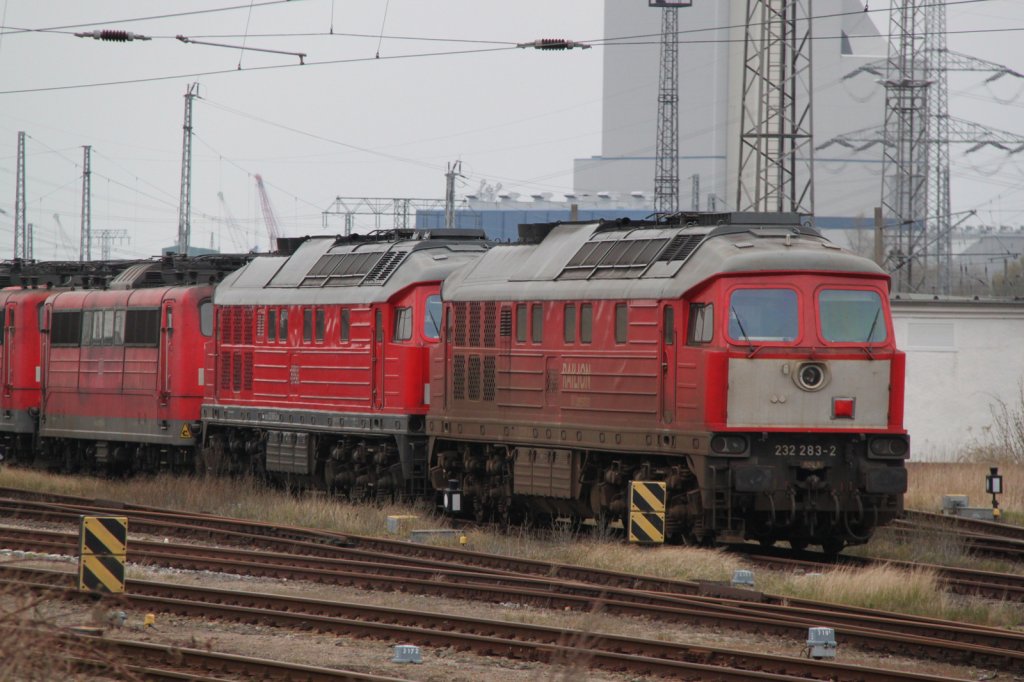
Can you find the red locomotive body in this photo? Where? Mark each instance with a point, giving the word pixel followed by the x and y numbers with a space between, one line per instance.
pixel 321 360
pixel 123 371
pixel 749 366
pixel 20 314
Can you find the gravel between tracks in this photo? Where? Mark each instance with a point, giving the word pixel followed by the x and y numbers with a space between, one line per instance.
pixel 374 656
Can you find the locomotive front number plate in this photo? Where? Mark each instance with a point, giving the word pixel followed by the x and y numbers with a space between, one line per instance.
pixel 805 449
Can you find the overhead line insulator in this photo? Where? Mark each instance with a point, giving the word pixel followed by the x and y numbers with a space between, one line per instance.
pixel 113 36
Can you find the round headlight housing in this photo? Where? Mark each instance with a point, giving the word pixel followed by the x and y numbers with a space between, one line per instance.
pixel 811 376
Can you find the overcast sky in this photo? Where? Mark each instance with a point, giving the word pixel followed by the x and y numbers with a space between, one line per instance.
pixel 392 91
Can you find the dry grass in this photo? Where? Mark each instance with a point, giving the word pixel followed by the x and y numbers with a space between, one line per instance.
pixel 34 647
pixel 888 588
pixel 929 481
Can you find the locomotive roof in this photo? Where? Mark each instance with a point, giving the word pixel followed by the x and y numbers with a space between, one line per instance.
pixel 351 270
pixel 622 259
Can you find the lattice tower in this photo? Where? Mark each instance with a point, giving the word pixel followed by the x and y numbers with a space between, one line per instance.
pixel 776 157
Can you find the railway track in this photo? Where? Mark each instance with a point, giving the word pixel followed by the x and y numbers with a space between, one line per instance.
pixel 483 636
pixel 91 653
pixel 871 630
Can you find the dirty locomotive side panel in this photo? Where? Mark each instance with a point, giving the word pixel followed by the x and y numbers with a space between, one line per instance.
pixel 122 368
pixel 318 372
pixel 741 359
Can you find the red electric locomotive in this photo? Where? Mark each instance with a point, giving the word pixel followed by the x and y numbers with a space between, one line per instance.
pixel 742 360
pixel 123 367
pixel 321 361
pixel 21 307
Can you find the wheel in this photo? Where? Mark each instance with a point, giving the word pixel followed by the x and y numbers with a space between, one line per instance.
pixel 833 545
pixel 798 544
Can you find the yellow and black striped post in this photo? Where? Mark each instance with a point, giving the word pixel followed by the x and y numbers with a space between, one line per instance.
pixel 103 545
pixel 647 512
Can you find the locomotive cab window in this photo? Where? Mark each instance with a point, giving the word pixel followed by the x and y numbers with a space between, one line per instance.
pixel 851 316
pixel 282 330
pixel 586 322
pixel 142 327
pixel 206 318
pixel 402 330
pixel 570 323
pixel 763 315
pixel 702 324
pixel 521 323
pixel 271 326
pixel 669 325
pixel 621 323
pixel 346 324
pixel 432 318
pixel 307 325
pixel 319 322
pixel 537 326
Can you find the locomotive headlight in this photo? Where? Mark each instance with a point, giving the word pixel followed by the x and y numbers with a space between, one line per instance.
pixel 728 445
pixel 889 446
pixel 811 376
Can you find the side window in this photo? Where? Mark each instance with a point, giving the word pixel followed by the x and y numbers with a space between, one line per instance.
pixel 118 328
pixel 378 323
pixel 87 328
pixel 66 328
pixel 586 322
pixel 521 323
pixel 432 318
pixel 570 323
pixel 669 324
pixel 702 323
pixel 142 327
pixel 271 326
pixel 282 328
pixel 206 318
pixel 621 323
pixel 318 328
pixel 307 325
pixel 403 325
pixel 3 325
pixel 537 326
pixel 346 324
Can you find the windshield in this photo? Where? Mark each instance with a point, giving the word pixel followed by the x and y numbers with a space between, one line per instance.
pixel 851 316
pixel 763 315
pixel 432 319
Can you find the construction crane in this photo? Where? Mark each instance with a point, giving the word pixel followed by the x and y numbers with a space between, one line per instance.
pixel 238 233
pixel 268 213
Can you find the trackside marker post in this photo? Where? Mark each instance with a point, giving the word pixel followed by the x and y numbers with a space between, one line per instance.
pixel 103 548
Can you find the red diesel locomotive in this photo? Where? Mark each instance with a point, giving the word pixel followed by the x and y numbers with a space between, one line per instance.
pixel 321 361
pixel 745 361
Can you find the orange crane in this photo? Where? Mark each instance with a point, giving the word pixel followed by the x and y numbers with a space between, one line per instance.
pixel 273 232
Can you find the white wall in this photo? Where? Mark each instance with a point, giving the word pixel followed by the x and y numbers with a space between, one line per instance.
pixel 962 358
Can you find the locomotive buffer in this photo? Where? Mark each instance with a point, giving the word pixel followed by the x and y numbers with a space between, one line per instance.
pixel 647 512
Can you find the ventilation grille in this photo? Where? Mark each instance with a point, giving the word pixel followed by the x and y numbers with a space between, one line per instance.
pixel 460 324
pixel 236 371
pixel 247 315
pixel 385 267
pixel 225 371
pixel 474 324
pixel 681 246
pixel 490 310
pixel 342 269
pixel 506 322
pixel 247 371
pixel 474 377
pixel 489 380
pixel 613 258
pixel 459 377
